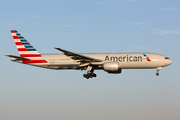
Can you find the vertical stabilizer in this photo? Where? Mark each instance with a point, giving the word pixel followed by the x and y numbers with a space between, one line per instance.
pixel 25 49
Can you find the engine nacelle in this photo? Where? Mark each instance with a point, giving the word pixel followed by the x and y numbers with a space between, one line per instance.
pixel 111 67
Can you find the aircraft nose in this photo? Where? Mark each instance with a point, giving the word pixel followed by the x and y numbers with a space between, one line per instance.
pixel 170 62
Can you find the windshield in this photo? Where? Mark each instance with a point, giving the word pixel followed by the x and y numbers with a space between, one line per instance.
pixel 166 58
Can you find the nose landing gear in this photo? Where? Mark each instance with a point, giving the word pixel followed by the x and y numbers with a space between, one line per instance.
pixel 159 68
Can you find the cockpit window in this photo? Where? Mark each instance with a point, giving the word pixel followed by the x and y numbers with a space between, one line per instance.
pixel 166 58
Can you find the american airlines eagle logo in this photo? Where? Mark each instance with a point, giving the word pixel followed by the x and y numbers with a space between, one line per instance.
pixel 147 58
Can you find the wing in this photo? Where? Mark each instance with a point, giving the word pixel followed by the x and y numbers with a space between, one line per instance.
pixel 78 57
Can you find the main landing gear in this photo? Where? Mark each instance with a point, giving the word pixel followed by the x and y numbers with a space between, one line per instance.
pixel 157 73
pixel 89 75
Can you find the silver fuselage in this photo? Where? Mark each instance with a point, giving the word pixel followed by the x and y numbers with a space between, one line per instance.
pixel 125 60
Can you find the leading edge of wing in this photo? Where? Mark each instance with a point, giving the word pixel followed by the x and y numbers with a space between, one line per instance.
pixel 78 57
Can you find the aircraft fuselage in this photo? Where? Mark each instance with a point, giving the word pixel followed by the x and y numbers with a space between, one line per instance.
pixel 125 60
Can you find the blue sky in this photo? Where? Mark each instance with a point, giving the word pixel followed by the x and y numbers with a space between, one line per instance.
pixel 95 26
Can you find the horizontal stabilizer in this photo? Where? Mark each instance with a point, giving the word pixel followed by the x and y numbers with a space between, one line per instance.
pixel 19 58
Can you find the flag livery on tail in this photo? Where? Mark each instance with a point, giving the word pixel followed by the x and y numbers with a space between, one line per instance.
pixel 26 50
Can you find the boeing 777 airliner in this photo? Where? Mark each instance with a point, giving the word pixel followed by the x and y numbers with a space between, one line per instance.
pixel 109 62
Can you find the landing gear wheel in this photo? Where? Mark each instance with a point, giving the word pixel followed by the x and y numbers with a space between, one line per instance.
pixel 157 74
pixel 89 75
pixel 84 75
pixel 94 75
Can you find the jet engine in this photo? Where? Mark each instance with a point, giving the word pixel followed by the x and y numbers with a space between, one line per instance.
pixel 111 67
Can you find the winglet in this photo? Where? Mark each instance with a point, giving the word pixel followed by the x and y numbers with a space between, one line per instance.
pixel 57 48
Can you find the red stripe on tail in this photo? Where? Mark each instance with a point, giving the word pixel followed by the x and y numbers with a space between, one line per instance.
pixel 15 37
pixel 22 49
pixel 12 31
pixel 30 55
pixel 18 43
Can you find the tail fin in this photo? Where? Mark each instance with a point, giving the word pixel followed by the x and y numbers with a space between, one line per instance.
pixel 24 47
pixel 26 50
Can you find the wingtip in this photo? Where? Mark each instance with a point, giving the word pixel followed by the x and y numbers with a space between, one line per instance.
pixel 57 48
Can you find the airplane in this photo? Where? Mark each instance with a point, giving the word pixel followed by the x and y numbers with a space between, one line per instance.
pixel 112 63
